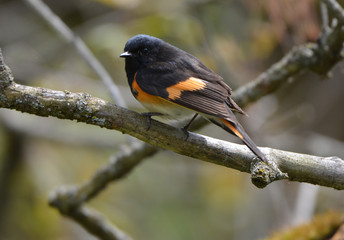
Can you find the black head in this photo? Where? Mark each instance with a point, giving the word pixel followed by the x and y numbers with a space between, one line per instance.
pixel 144 49
pixel 141 51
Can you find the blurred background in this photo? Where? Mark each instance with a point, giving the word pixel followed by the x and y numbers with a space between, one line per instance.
pixel 168 196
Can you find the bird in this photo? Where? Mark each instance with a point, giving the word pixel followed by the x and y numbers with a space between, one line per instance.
pixel 172 83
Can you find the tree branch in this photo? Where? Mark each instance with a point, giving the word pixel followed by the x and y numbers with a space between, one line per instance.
pixel 85 108
pixel 95 223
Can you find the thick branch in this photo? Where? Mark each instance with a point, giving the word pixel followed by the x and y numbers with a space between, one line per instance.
pixel 85 108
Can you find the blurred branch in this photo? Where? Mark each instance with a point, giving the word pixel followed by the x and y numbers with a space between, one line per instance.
pixel 85 108
pixel 318 57
pixel 96 224
pixel 69 36
pixel 336 9
pixel 57 131
pixel 324 17
pixel 120 164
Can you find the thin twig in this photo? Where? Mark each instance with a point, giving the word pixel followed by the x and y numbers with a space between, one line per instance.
pixel 120 165
pixel 95 223
pixel 336 9
pixel 325 18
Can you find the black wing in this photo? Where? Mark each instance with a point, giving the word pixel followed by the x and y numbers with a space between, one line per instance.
pixel 189 84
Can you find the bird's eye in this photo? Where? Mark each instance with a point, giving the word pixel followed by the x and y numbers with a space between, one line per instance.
pixel 144 51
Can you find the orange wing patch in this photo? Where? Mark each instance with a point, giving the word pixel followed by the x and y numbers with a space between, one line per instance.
pixel 190 84
pixel 232 128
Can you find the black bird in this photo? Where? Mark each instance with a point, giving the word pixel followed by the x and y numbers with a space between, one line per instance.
pixel 171 82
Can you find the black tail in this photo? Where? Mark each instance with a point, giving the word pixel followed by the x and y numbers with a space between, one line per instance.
pixel 238 130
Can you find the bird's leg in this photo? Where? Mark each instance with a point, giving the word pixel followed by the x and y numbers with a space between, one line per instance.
pixel 149 116
pixel 185 128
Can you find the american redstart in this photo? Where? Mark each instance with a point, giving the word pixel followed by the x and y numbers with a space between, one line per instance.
pixel 171 82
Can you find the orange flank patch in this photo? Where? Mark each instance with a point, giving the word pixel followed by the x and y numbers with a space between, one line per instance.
pixel 145 97
pixel 190 84
pixel 232 128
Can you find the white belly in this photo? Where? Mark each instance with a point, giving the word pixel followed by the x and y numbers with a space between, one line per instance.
pixel 170 110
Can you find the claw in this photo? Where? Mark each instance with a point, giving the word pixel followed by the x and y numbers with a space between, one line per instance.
pixel 186 132
pixel 149 116
pixel 185 128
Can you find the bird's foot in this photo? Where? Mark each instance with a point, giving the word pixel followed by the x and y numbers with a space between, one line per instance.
pixel 149 116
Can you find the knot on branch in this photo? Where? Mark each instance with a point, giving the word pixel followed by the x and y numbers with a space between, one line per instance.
pixel 6 77
pixel 64 199
pixel 263 174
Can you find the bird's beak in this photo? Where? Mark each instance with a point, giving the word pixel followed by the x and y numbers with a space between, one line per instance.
pixel 125 54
